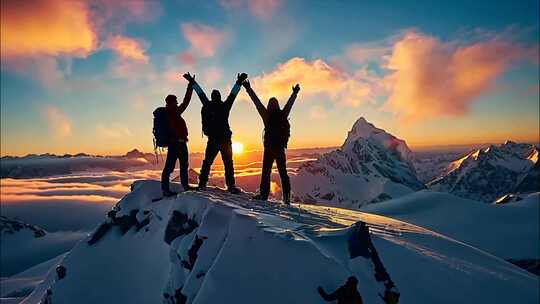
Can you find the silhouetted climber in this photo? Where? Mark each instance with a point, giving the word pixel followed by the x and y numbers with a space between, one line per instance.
pixel 276 136
pixel 215 125
pixel 346 294
pixel 170 131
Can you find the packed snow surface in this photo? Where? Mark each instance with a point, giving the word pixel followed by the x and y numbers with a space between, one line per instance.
pixel 508 230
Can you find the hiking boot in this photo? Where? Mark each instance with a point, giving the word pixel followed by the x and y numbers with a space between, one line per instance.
pixel 260 197
pixel 234 190
pixel 190 188
pixel 286 199
pixel 169 193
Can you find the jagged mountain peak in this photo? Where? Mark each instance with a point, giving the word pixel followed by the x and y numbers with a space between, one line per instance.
pixel 364 130
pixel 371 166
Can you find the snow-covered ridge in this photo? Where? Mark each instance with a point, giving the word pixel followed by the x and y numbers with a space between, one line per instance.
pixel 12 226
pixel 486 174
pixel 371 166
pixel 213 246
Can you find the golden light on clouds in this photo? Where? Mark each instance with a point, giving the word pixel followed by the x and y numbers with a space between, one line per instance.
pixel 50 27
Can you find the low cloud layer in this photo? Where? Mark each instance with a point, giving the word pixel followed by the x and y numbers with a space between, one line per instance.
pixel 429 78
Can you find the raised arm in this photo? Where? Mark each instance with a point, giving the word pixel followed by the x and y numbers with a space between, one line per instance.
pixel 187 98
pixel 258 104
pixel 197 88
pixel 288 106
pixel 236 88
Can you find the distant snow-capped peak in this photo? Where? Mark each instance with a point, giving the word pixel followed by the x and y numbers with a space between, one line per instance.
pixel 371 166
pixel 485 174
pixel 362 129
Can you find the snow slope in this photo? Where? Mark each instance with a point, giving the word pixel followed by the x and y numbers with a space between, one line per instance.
pixel 485 174
pixel 215 247
pixel 22 284
pixel 506 230
pixel 25 245
pixel 371 166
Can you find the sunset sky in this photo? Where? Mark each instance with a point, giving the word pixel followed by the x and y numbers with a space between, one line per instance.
pixel 85 76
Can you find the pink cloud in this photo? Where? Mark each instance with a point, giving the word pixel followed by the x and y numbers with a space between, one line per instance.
pixel 264 9
pixel 260 9
pixel 128 48
pixel 204 40
pixel 186 58
pixel 59 123
pixel 429 78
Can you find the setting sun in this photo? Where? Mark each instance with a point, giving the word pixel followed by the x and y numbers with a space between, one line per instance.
pixel 237 148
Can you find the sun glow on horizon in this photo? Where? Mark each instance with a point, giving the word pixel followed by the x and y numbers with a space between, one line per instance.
pixel 237 147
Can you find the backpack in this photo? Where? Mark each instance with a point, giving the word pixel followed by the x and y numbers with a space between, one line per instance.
pixel 277 131
pixel 161 128
pixel 214 121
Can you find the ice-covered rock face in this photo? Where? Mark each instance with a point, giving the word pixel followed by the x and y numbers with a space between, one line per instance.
pixel 486 174
pixel 214 247
pixel 371 166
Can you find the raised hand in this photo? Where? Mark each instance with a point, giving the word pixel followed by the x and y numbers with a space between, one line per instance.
pixel 296 88
pixel 246 84
pixel 189 77
pixel 240 78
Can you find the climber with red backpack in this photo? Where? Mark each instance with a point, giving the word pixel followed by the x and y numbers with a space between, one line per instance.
pixel 170 131
pixel 277 131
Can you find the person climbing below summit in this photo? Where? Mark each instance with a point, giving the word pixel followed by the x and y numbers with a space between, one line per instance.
pixel 215 125
pixel 276 137
pixel 346 294
pixel 170 131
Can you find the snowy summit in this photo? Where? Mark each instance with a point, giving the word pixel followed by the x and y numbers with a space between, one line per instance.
pixel 199 247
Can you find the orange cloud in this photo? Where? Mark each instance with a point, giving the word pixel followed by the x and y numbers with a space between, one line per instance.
pixel 48 27
pixel 128 48
pixel 315 78
pixel 58 122
pixel 204 40
pixel 429 78
pixel 37 35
